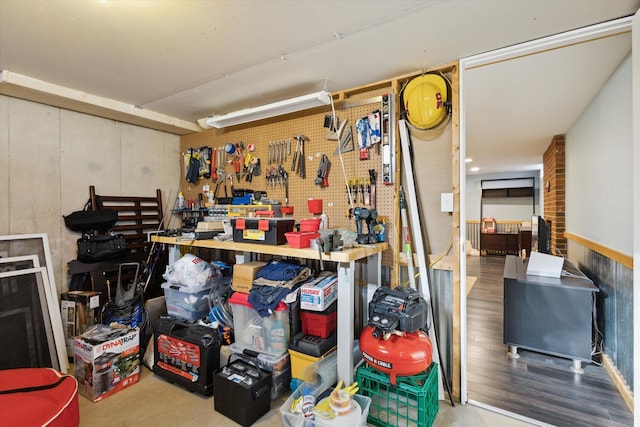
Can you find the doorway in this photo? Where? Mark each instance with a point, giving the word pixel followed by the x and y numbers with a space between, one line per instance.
pixel 484 64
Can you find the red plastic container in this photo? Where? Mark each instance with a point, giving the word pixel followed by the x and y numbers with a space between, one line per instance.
pixel 319 323
pixel 315 206
pixel 310 224
pixel 300 239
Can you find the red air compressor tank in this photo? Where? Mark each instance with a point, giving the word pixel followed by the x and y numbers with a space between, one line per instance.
pixel 409 354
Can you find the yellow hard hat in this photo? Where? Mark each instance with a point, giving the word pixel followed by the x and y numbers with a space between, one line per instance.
pixel 424 101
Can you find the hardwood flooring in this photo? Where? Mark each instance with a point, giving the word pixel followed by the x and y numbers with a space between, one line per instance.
pixel 536 385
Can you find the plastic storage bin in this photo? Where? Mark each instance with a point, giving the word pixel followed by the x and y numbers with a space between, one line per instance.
pixel 303 365
pixel 262 334
pixel 185 302
pixel 358 416
pixel 320 324
pixel 412 402
pixel 300 239
pixel 310 224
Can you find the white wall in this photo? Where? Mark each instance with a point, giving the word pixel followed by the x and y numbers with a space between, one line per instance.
pixel 516 209
pixel 599 166
pixel 50 156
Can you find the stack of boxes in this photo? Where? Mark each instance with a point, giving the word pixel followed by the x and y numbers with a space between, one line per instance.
pixel 258 367
pixel 318 337
pixel 186 352
pixel 80 310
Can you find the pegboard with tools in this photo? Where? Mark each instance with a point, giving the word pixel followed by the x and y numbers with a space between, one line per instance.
pixel 310 154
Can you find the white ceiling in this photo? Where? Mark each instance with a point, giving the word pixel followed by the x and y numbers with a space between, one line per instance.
pixel 189 59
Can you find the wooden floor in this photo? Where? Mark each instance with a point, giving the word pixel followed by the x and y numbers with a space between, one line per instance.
pixel 536 385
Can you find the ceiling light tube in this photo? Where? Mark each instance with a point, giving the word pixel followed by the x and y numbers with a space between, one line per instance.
pixel 279 108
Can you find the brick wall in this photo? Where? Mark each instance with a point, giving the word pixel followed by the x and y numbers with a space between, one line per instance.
pixel 553 190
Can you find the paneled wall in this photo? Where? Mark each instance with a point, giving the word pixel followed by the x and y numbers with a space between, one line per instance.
pixel 50 156
pixel 614 305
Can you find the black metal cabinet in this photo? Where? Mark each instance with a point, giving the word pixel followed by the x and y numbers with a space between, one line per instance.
pixel 546 314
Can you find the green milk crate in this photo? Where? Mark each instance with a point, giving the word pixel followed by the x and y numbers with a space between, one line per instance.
pixel 411 402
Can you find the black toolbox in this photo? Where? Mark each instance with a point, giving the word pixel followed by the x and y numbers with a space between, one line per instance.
pixel 186 354
pixel 242 392
pixel 312 345
pixel 269 231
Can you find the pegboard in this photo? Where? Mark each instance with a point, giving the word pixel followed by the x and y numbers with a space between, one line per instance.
pixel 309 123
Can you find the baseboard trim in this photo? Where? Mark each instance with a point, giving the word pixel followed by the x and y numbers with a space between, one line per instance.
pixel 620 383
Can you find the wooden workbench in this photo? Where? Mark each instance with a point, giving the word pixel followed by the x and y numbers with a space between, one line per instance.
pixel 346 284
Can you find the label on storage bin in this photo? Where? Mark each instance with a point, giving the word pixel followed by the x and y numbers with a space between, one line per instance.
pixel 253 234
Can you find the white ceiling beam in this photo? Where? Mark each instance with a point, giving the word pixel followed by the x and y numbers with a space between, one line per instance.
pixel 29 88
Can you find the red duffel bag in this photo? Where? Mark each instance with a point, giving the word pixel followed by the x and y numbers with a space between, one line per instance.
pixel 38 397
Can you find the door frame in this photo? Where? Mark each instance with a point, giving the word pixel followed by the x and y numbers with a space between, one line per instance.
pixel 533 47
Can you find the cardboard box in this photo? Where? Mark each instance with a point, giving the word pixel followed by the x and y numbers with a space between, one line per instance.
pixel 320 293
pixel 79 310
pixel 244 274
pixel 106 360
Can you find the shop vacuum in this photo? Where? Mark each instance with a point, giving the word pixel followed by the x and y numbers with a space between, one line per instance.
pixel 395 341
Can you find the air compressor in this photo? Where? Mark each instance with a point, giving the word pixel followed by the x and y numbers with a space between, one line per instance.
pixel 394 341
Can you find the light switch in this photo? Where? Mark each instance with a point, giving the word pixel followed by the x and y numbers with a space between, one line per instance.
pixel 446 202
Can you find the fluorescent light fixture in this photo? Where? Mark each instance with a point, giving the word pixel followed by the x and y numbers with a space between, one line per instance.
pixel 279 108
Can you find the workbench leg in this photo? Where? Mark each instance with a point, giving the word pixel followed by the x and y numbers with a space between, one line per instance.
pixel 174 254
pixel 374 276
pixel 346 301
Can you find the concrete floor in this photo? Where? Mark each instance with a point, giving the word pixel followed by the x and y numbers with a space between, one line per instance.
pixel 154 402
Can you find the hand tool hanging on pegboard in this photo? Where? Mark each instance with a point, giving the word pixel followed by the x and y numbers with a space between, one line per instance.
pixel 192 165
pixel 346 142
pixel 294 164
pixel 364 137
pixel 205 162
pixel 302 170
pixel 214 165
pixel 298 155
pixel 375 134
pixel 372 187
pixel 323 171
